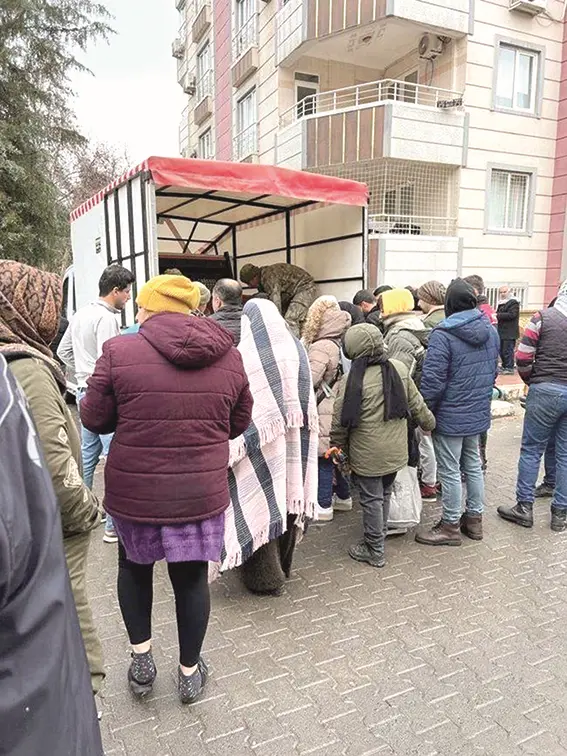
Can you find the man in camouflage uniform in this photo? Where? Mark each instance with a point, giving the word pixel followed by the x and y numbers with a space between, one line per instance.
pixel 290 288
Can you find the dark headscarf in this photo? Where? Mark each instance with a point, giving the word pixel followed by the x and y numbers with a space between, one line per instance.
pixel 460 297
pixel 30 308
pixel 356 314
pixel 395 399
pixel 381 289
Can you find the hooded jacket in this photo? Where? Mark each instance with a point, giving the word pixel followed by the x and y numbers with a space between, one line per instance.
pixel 174 394
pixel 375 447
pixel 324 359
pixel 401 339
pixel 459 373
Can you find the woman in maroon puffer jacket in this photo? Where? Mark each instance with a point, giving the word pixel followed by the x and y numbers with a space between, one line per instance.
pixel 173 394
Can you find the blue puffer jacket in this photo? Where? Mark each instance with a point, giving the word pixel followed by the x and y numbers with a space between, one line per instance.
pixel 459 372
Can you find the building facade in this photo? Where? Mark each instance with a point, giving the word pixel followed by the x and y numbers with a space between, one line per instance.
pixel 452 111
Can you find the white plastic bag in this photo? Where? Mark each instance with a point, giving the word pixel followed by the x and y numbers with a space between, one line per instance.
pixel 406 504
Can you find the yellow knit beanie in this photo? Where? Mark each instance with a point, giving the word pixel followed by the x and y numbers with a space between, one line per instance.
pixel 169 294
pixel 395 301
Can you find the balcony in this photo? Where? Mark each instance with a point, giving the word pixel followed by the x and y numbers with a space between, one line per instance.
pixel 245 145
pixel 380 119
pixel 184 133
pixel 245 51
pixel 204 90
pixel 203 19
pixel 365 32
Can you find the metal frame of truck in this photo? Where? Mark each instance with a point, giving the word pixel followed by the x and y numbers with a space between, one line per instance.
pixel 215 216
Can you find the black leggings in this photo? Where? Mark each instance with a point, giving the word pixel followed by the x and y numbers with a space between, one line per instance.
pixel 192 602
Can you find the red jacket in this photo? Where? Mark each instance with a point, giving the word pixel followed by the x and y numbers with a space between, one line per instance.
pixel 174 394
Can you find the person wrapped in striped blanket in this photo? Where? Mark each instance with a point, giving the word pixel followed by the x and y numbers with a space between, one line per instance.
pixel 273 465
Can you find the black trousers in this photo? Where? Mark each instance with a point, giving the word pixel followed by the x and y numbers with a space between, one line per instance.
pixel 507 348
pixel 192 602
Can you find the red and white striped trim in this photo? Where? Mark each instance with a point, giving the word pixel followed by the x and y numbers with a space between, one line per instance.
pixel 99 196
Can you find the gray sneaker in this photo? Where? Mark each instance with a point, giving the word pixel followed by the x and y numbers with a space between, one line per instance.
pixel 190 687
pixel 362 553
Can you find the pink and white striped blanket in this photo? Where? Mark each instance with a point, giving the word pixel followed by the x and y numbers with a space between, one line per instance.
pixel 273 465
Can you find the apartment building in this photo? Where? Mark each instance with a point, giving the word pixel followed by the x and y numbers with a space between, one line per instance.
pixel 452 111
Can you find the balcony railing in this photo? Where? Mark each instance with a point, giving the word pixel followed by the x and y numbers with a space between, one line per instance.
pixel 371 94
pixel 245 37
pixel 246 142
pixel 204 85
pixel 417 225
pixel 289 28
pixel 200 4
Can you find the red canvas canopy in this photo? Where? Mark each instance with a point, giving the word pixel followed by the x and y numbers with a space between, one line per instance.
pixel 238 184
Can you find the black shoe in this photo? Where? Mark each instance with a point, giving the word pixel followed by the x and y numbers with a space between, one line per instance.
pixel 544 490
pixel 362 553
pixel 558 519
pixel 522 514
pixel 190 687
pixel 142 673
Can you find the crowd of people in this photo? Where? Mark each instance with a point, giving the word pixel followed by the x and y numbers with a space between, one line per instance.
pixel 226 433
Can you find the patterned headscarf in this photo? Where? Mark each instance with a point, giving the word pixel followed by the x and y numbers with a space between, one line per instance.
pixel 562 289
pixel 30 308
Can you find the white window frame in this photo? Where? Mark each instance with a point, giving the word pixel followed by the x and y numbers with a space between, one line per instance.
pixel 537 53
pixel 245 25
pixel 204 74
pixel 529 199
pixel 246 136
pixel 206 139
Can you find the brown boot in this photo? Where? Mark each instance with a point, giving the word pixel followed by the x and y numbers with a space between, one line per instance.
pixel 471 526
pixel 442 534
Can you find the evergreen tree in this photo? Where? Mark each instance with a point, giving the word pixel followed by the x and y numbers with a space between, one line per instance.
pixel 39 41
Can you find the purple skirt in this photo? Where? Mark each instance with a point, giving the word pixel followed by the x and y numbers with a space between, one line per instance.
pixel 192 542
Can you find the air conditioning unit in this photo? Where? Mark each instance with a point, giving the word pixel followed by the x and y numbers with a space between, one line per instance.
pixel 430 47
pixel 190 85
pixel 178 48
pixel 532 7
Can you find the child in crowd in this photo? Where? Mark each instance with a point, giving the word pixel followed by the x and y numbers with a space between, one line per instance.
pixel 370 425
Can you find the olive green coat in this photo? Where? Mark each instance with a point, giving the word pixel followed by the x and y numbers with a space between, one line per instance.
pixel 79 507
pixel 376 448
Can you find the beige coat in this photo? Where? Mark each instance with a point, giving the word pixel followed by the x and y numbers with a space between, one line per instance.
pixel 324 358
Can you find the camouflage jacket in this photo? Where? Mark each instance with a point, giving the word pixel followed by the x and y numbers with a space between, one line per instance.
pixel 282 282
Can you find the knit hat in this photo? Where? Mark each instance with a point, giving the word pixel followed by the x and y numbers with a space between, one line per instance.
pixel 249 272
pixel 169 294
pixel 460 297
pixel 396 301
pixel 432 292
pixel 205 294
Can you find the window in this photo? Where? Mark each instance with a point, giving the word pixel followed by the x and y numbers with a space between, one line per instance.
pixel 509 198
pixel 517 79
pixel 204 72
pixel 306 90
pixel 246 140
pixel 205 146
pixel 399 201
pixel 245 25
pixel 410 90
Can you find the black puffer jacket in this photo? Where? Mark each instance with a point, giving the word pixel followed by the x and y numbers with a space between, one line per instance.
pixel 230 317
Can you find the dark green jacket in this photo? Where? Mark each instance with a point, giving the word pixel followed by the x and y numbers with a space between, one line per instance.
pixel 433 318
pixel 376 448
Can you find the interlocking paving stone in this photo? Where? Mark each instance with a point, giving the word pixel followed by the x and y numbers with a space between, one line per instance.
pixel 444 651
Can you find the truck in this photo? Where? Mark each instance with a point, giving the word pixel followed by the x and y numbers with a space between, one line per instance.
pixel 208 218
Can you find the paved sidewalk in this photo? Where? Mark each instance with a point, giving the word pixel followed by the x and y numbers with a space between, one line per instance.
pixel 445 651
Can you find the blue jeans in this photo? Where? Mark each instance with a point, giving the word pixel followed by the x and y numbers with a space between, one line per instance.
pixel 331 480
pixel 456 453
pixel 545 420
pixel 550 463
pixel 93 446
